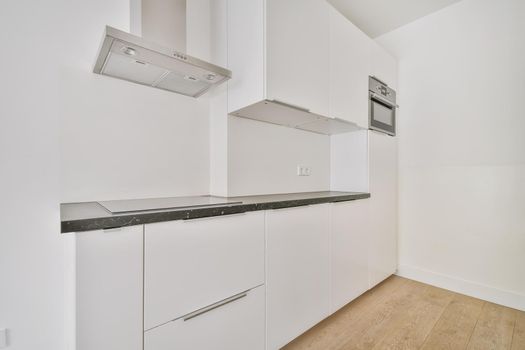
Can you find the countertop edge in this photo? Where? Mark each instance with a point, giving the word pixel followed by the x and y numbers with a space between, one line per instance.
pixel 141 218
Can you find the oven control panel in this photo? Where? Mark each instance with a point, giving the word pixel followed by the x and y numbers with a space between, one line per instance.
pixel 378 87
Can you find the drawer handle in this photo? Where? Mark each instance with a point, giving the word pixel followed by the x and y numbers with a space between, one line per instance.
pixel 382 99
pixel 112 229
pixel 214 306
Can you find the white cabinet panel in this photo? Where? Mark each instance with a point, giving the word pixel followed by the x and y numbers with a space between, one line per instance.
pixel 194 263
pixel 279 50
pixel 349 70
pixel 297 53
pixel 383 65
pixel 109 289
pixel 297 271
pixel 246 53
pixel 383 206
pixel 350 229
pixel 238 325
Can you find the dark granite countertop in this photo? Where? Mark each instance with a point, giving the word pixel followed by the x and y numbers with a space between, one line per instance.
pixel 88 216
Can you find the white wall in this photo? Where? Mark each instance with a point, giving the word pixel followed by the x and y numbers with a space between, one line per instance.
pixel 263 158
pixel 124 140
pixel 219 100
pixel 70 135
pixel 462 148
pixel 349 162
pixel 31 251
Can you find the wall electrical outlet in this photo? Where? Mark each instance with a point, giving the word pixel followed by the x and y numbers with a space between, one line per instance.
pixel 303 170
pixel 3 338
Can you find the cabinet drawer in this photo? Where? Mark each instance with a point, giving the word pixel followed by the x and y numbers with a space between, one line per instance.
pixel 235 325
pixel 191 264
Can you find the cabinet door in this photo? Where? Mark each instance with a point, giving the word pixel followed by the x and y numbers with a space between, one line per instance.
pixel 383 65
pixel 245 53
pixel 383 206
pixel 193 263
pixel 109 289
pixel 236 325
pixel 349 70
pixel 297 271
pixel 297 57
pixel 349 251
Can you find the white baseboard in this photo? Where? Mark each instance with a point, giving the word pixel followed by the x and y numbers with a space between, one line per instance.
pixel 470 288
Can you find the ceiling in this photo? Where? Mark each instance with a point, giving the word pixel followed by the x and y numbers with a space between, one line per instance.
pixel 377 17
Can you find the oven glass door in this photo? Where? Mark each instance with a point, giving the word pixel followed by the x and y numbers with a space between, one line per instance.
pixel 382 116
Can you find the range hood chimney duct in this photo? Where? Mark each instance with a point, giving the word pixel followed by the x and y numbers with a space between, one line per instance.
pixel 164 22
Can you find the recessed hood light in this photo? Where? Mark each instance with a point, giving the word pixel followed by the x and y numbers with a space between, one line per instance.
pixel 129 51
pixel 132 58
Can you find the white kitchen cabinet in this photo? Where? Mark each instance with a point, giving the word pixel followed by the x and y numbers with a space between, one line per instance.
pixel 383 65
pixel 279 50
pixel 350 230
pixel 190 264
pixel 349 70
pixel 109 289
pixel 235 325
pixel 383 207
pixel 297 271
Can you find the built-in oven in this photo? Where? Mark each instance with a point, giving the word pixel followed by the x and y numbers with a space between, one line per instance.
pixel 382 106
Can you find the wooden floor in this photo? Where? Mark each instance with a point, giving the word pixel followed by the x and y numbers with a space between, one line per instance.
pixel 404 314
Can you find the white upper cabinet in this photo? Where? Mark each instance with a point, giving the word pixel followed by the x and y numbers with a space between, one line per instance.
pixel 297 57
pixel 349 70
pixel 301 64
pixel 279 50
pixel 383 65
pixel 246 53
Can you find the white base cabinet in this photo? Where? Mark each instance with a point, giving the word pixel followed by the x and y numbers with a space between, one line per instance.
pixel 297 271
pixel 109 289
pixel 249 281
pixel 349 242
pixel 237 325
pixel 383 207
pixel 190 264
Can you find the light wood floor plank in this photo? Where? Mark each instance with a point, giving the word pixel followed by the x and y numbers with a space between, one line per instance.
pixel 409 315
pixel 518 339
pixel 494 328
pixel 328 334
pixel 454 328
pixel 372 327
pixel 412 328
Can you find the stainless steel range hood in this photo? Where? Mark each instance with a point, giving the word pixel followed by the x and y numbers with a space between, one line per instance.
pixel 129 57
